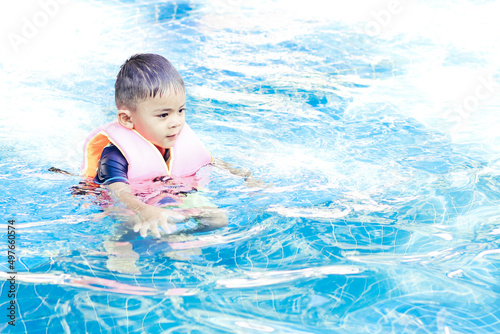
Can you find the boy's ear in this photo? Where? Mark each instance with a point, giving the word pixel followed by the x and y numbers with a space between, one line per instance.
pixel 125 118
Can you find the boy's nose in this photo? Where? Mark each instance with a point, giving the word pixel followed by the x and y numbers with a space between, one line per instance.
pixel 176 121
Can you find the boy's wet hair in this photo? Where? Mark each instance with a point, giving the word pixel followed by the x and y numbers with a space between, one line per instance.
pixel 143 76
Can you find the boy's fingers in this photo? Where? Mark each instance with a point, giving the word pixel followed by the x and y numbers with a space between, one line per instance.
pixel 168 228
pixel 144 230
pixel 137 227
pixel 167 223
pixel 154 230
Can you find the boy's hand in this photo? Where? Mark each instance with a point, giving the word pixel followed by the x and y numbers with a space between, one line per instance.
pixel 150 217
pixel 153 218
pixel 250 181
pixel 208 218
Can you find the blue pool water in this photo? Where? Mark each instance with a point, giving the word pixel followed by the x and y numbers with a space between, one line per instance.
pixel 376 123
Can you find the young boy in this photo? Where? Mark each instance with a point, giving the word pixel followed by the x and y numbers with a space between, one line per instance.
pixel 150 139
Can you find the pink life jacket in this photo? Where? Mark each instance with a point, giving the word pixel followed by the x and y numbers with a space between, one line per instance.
pixel 145 161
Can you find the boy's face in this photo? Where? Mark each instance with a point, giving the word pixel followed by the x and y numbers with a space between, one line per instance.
pixel 160 119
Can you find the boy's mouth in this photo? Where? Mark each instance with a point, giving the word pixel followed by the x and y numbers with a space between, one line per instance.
pixel 173 136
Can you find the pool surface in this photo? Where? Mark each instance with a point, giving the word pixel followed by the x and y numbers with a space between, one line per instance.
pixel 374 125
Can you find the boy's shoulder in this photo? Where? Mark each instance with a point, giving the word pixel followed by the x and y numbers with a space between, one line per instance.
pixel 111 149
pixel 112 166
pixel 112 154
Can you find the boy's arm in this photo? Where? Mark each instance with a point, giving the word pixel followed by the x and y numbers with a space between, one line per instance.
pixel 150 217
pixel 250 181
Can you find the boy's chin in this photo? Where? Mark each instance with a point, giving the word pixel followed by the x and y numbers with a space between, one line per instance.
pixel 163 148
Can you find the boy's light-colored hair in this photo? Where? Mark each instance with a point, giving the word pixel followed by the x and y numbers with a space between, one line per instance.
pixel 143 76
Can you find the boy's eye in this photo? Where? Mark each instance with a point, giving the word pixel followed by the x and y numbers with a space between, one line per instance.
pixel 163 115
pixel 182 110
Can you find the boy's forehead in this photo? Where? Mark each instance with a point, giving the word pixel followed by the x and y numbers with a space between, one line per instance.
pixel 170 98
pixel 170 94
